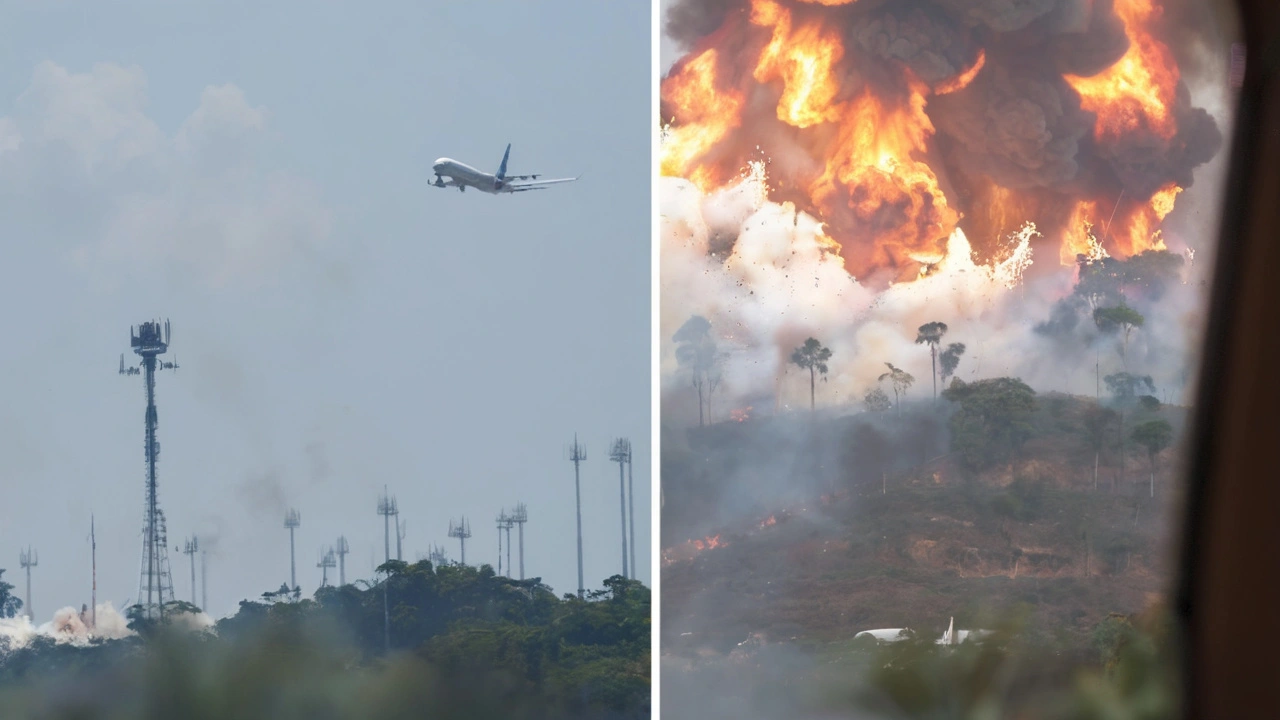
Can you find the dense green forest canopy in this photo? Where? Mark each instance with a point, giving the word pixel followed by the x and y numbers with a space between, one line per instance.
pixel 448 641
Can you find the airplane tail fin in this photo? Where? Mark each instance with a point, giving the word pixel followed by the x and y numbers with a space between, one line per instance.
pixel 502 169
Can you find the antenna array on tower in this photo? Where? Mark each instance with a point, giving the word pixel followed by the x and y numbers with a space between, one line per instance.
pixel 461 530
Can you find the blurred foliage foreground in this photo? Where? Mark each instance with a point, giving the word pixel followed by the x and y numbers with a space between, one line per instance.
pixel 454 642
pixel 1128 672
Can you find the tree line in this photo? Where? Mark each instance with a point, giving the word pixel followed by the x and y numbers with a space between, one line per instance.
pixel 458 639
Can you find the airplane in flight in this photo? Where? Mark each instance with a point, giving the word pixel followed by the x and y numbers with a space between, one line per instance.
pixel 463 176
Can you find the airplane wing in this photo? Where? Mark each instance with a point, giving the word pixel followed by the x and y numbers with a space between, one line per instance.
pixel 540 184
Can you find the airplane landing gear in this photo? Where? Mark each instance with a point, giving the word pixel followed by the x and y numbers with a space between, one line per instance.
pixel 439 182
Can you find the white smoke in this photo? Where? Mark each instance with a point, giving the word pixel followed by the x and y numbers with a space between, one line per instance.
pixel 75 627
pixel 68 626
pixel 767 277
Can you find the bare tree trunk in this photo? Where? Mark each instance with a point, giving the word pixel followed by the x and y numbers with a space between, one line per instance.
pixel 933 361
pixel 1122 446
pixel 1153 473
pixel 701 422
pixel 1096 453
pixel 811 389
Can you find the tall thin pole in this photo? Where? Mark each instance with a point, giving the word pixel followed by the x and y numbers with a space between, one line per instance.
pixel 153 531
pixel 519 517
pixel 343 549
pixel 386 508
pixel 399 537
pixel 622 508
pixel 190 549
pixel 631 503
pixel 292 520
pixel 621 454
pixel 462 531
pixel 93 543
pixel 28 559
pixel 577 455
pixel 204 580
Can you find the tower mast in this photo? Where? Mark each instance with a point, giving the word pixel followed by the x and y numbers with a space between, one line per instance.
pixel 150 340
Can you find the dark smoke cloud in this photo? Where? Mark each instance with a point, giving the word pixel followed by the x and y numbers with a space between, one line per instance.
pixel 1018 127
pixel 925 42
pixel 1143 162
pixel 1084 42
pixel 690 20
pixel 999 15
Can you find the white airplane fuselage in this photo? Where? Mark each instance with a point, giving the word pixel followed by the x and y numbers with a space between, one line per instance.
pixel 462 175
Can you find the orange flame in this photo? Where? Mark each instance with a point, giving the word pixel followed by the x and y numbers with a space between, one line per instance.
pixel 773 520
pixel 874 174
pixel 705 115
pixel 1138 91
pixel 740 415
pixel 962 80
pixel 803 59
pixel 1129 229
pixel 691 549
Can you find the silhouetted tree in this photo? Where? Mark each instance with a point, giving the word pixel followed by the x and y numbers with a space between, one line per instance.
pixel 876 400
pixel 1120 318
pixel 10 604
pixel 931 334
pixel 1100 425
pixel 697 353
pixel 950 360
pixel 993 419
pixel 900 380
pixel 1154 435
pixel 812 356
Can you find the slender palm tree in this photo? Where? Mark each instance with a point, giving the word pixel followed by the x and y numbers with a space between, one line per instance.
pixel 931 334
pixel 813 357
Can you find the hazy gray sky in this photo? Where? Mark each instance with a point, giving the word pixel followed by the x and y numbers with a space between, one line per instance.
pixel 259 176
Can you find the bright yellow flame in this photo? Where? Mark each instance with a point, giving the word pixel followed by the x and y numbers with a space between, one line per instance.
pixel 803 59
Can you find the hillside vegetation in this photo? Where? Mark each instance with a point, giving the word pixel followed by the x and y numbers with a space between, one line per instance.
pixel 825 526
pixel 447 642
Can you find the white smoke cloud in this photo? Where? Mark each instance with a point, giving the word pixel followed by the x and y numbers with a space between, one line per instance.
pixel 68 626
pixel 81 153
pixel 780 281
pixel 75 627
